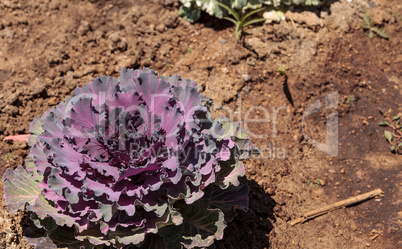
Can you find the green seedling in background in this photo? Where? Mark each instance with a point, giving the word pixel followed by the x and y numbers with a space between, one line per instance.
pixel 393 137
pixel 240 20
pixel 366 84
pixel 316 183
pixel 7 156
pixel 282 71
pixel 397 15
pixel 368 25
pixel 189 50
pixel 349 99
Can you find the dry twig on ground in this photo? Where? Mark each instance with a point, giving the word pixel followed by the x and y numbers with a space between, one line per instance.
pixel 337 205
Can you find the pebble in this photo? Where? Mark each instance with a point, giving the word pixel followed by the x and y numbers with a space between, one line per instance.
pixel 223 41
pixel 250 62
pixel 83 28
pixel 246 77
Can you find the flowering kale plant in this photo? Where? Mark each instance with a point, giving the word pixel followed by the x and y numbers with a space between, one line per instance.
pixel 134 162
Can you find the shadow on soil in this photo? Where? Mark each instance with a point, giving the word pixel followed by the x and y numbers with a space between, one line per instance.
pixel 250 229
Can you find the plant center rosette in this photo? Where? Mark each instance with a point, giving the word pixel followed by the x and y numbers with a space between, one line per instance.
pixel 134 162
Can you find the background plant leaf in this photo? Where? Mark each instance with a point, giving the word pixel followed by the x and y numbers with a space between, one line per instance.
pixel 366 18
pixel 189 14
pixel 382 33
pixel 388 136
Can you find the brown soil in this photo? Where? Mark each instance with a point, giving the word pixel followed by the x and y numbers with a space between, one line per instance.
pixel 49 47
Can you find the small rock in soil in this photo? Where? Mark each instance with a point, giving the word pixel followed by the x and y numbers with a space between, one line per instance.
pixel 246 77
pixel 261 48
pixel 11 110
pixel 37 88
pixel 306 17
pixel 225 70
pixel 83 28
pixel 250 61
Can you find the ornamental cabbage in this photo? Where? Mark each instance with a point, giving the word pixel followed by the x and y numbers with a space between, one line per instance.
pixel 134 162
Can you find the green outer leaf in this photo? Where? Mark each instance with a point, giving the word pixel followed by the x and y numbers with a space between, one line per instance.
pixel 20 188
pixel 388 136
pixel 35 129
pixel 232 128
pixel 48 223
pixel 151 241
pixel 94 236
pixel 396 118
pixel 50 236
pixel 254 21
pixel 37 236
pixel 175 216
pixel 126 239
pixel 123 235
pixel 44 209
pixel 227 200
pixel 65 237
pixel 230 174
pixel 107 210
pixel 200 227
pixel 31 168
pixel 380 109
pixel 246 149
